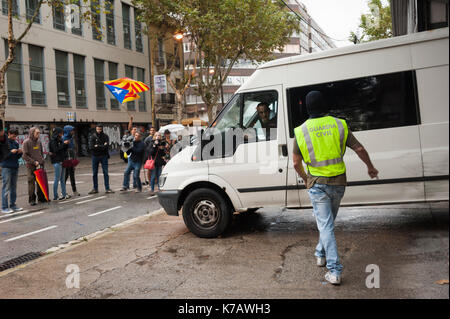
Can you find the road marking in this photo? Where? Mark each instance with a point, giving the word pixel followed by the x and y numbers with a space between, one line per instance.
pixel 32 233
pixel 75 199
pixel 14 214
pixel 90 200
pixel 29 215
pixel 105 211
pixel 151 197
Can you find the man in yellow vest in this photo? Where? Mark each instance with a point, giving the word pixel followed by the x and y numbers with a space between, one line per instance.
pixel 321 142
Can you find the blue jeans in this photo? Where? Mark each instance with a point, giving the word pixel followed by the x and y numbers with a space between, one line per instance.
pixel 326 200
pixel 9 189
pixel 104 161
pixel 60 178
pixel 156 173
pixel 136 168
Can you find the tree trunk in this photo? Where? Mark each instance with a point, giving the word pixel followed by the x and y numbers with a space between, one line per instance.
pixel 179 111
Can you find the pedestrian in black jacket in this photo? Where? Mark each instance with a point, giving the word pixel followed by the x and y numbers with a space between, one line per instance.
pixel 158 152
pixel 99 144
pixel 10 173
pixel 58 150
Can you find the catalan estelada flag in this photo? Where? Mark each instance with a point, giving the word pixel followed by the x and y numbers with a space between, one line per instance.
pixel 126 89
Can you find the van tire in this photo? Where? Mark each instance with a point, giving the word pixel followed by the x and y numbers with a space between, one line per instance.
pixel 206 213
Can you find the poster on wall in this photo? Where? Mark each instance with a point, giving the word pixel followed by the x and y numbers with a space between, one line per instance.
pixel 160 84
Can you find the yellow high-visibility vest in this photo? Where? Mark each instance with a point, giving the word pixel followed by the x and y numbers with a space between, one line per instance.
pixel 322 144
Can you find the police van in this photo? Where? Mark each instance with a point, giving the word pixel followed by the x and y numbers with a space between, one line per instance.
pixel 394 96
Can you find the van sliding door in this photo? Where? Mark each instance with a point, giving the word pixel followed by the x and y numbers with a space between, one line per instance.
pixel 382 112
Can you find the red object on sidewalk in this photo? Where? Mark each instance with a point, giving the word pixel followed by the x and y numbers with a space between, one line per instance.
pixel 41 178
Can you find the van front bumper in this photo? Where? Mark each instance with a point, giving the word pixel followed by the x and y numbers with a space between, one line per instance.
pixel 169 201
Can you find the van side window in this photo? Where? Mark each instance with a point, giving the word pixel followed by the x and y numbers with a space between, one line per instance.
pixel 257 110
pixel 367 103
pixel 260 111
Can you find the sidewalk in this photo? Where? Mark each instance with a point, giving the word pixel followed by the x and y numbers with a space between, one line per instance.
pixel 111 250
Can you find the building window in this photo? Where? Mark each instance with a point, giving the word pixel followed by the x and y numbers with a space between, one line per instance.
pixel 140 76
pixel 126 26
pixel 110 26
pixel 80 82
pixel 15 8
pixel 160 51
pixel 99 66
pixel 31 6
pixel 113 74
pixel 138 31
pixel 37 76
pixel 58 17
pixel 14 76
pixel 75 18
pixel 62 78
pixel 129 71
pixel 96 20
pixel 367 103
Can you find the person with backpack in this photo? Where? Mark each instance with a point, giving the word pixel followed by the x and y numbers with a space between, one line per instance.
pixel 69 164
pixel 58 149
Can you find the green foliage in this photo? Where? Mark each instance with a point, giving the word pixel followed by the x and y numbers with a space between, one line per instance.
pixel 222 32
pixel 375 25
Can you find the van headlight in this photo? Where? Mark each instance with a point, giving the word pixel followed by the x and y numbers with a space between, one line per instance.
pixel 162 180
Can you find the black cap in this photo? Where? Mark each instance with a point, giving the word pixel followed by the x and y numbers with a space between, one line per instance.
pixel 315 103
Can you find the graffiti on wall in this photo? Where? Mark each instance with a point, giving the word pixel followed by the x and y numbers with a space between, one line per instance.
pixel 24 130
pixel 113 131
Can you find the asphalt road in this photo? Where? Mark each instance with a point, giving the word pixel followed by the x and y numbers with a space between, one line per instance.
pixel 44 226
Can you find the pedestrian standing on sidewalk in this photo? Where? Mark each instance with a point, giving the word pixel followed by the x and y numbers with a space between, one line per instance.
pixel 72 152
pixel 320 143
pixel 99 145
pixel 10 173
pixel 58 149
pixel 33 156
pixel 134 164
pixel 158 152
pixel 148 141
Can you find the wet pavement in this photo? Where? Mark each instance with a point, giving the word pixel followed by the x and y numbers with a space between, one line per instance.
pixel 268 254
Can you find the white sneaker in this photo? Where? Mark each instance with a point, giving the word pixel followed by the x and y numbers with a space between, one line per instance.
pixel 17 209
pixel 7 211
pixel 321 261
pixel 333 279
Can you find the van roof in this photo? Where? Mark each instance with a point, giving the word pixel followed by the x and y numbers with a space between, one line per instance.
pixel 374 45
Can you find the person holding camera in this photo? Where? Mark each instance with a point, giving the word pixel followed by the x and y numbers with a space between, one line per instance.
pixel 134 164
pixel 158 152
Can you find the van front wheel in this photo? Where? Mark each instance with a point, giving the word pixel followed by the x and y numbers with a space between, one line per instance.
pixel 206 213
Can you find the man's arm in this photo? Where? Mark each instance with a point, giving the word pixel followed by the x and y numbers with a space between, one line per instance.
pixel 364 156
pixel 357 147
pixel 130 124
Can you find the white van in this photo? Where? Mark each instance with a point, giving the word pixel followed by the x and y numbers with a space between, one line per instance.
pixel 394 94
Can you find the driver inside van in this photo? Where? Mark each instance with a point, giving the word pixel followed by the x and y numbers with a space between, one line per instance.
pixel 267 120
pixel 264 115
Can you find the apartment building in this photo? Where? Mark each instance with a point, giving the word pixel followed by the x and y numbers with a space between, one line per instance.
pixel 58 72
pixel 311 39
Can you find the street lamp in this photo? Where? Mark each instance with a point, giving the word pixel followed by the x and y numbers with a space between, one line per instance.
pixel 178 36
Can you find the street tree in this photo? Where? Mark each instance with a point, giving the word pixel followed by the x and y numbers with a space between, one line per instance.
pixel 375 25
pixel 222 32
pixel 86 11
